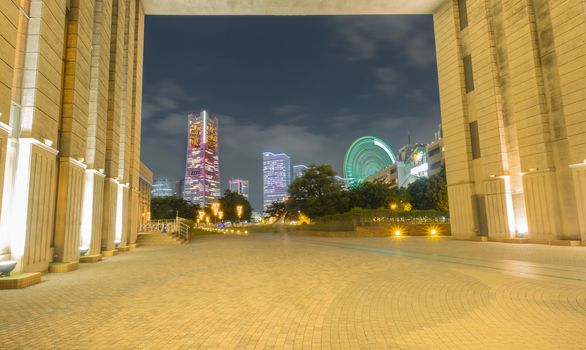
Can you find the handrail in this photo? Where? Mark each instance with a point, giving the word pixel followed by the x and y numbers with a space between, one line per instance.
pixel 175 226
pixel 182 229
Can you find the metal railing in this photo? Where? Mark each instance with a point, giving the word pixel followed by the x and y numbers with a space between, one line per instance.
pixel 165 226
pixel 177 227
pixel 182 229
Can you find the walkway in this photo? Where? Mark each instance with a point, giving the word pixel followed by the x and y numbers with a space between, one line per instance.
pixel 275 291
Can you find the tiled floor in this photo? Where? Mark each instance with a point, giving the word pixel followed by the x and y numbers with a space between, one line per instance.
pixel 275 291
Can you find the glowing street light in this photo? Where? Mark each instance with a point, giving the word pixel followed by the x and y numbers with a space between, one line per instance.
pixel 216 208
pixel 239 209
pixel 220 215
pixel 201 214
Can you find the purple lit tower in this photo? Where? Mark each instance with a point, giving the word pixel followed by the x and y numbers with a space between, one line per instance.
pixel 202 168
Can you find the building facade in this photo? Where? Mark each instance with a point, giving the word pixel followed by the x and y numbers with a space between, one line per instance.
pixel 202 166
pixel 145 185
pixel 512 92
pixel 239 186
pixel 512 77
pixel 276 177
pixel 162 187
pixel 298 170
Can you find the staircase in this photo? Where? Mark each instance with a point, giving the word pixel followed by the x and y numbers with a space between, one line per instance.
pixel 157 238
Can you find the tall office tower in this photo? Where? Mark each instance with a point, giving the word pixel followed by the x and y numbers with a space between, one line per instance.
pixel 239 186
pixel 298 170
pixel 161 187
pixel 276 177
pixel 202 168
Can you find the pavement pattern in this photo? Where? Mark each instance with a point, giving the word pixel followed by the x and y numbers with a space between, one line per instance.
pixel 293 292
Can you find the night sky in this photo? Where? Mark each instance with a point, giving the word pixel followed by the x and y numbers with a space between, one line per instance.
pixel 306 86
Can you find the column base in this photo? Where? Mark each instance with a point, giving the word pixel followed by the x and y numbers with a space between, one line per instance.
pixel 109 252
pixel 516 240
pixel 132 246
pixel 123 249
pixel 565 242
pixel 56 267
pixel 20 280
pixel 90 258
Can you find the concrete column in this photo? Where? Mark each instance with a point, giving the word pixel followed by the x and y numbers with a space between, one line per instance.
pixel 73 130
pixel 461 186
pixel 579 173
pixel 109 215
pixel 33 205
pixel 93 199
pixel 122 219
pixel 69 209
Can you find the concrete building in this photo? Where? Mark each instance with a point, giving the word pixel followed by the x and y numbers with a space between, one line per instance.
pixel 145 185
pixel 512 92
pixel 202 164
pixel 162 187
pixel 276 177
pixel 298 170
pixel 239 186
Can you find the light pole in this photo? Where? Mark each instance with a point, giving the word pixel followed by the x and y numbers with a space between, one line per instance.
pixel 239 209
pixel 216 209
pixel 201 215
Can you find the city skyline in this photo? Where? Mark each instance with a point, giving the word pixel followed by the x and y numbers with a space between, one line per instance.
pixel 312 106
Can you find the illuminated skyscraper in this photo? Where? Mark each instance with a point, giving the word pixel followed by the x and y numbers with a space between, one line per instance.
pixel 276 177
pixel 202 169
pixel 239 186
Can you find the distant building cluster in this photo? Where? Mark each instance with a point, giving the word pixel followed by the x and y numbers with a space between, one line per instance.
pixel 367 159
pixel 414 160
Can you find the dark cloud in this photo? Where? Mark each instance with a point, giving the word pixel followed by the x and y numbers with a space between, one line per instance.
pixel 307 86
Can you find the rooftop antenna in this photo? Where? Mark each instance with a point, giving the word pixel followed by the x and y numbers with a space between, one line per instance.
pixel 408 137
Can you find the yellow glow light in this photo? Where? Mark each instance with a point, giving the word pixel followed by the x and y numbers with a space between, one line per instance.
pixel 216 208
pixel 394 206
pixel 397 232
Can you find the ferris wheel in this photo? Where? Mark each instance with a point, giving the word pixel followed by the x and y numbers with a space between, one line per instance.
pixel 365 157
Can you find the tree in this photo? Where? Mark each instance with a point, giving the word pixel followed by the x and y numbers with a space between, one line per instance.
pixel 229 203
pixel 430 193
pixel 316 193
pixel 370 195
pixel 169 207
pixel 276 209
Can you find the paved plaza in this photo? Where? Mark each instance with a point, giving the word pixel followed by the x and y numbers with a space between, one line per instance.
pixel 293 292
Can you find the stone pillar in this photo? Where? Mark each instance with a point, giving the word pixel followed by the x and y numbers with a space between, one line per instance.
pixel 69 209
pixel 499 207
pixel 109 215
pixel 33 205
pixel 73 130
pixel 93 199
pixel 461 185
pixel 579 173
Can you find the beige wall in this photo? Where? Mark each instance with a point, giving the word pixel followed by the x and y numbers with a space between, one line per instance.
pixel 70 68
pixel 77 72
pixel 528 100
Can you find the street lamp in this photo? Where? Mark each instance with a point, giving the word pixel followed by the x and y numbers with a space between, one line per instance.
pixel 200 215
pixel 220 215
pixel 216 209
pixel 239 209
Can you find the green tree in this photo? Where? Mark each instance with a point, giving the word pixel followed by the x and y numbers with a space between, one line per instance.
pixel 169 207
pixel 276 209
pixel 370 195
pixel 430 193
pixel 316 193
pixel 230 201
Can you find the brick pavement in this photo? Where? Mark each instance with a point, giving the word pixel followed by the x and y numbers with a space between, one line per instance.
pixel 276 291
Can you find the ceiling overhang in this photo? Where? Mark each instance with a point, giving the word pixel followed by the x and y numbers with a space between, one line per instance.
pixel 289 7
